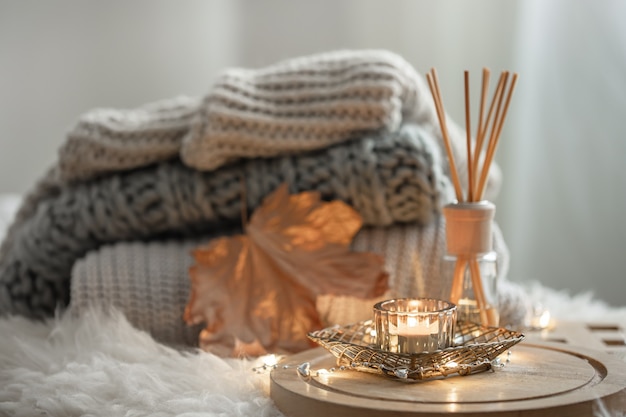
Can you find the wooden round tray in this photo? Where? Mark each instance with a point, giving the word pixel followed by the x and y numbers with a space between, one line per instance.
pixel 541 380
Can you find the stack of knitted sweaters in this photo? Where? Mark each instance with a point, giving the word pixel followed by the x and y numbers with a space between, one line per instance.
pixel 134 191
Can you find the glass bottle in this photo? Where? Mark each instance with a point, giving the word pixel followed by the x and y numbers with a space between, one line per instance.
pixel 469 264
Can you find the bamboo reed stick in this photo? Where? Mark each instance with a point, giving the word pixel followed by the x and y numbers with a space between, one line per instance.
pixel 506 105
pixel 481 138
pixel 483 98
pixel 457 280
pixel 468 139
pixel 494 128
pixel 494 140
pixel 482 126
pixel 479 291
pixel 434 89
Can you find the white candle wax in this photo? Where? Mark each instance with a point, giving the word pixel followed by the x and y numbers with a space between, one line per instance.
pixel 417 336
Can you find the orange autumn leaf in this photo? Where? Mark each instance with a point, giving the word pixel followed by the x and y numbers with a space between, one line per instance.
pixel 256 292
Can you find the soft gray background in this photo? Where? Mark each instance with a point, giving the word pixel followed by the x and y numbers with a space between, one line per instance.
pixel 564 143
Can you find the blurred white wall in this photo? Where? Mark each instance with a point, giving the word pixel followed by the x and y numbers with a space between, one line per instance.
pixel 564 160
pixel 59 59
pixel 560 152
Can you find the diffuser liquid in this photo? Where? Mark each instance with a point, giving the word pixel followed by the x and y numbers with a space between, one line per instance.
pixel 467 310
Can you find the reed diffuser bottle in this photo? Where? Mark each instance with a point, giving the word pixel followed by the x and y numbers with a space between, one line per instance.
pixel 470 262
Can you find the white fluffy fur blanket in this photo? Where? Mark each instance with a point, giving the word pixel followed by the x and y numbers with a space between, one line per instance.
pixel 99 365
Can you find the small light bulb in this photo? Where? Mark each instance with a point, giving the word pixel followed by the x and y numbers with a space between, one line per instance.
pixel 544 320
pixel 270 360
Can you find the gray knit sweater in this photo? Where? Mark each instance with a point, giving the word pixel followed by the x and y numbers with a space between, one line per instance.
pixel 393 178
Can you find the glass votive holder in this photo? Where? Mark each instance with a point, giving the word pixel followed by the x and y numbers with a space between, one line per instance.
pixel 414 325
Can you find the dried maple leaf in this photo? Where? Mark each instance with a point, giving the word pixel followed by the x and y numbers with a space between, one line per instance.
pixel 257 292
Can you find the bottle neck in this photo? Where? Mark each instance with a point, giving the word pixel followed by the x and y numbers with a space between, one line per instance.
pixel 468 228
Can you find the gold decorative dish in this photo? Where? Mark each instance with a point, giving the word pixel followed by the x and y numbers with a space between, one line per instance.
pixel 475 349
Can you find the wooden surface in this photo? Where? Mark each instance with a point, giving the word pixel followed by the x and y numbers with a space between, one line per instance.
pixel 605 336
pixel 544 379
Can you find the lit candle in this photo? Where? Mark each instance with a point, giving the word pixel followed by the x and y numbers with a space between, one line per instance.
pixel 415 335
pixel 414 325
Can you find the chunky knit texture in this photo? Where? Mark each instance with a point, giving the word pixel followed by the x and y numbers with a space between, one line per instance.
pixel 110 140
pixel 392 178
pixel 149 282
pixel 301 104
pixel 291 107
pixel 312 102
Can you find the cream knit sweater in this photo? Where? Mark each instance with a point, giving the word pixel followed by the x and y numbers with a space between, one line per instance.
pixel 149 282
pixel 291 107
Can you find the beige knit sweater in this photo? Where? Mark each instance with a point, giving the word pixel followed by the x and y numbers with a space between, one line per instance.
pixel 291 107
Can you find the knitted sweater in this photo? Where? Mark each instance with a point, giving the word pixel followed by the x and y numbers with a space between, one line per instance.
pixel 391 178
pixel 291 107
pixel 113 180
pixel 149 281
pixel 254 113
